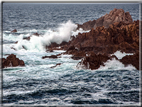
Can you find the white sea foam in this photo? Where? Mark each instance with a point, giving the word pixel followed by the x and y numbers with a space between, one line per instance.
pixel 59 51
pixel 17 92
pixel 63 33
pixel 66 56
pixel 10 37
pixel 75 33
pixel 115 65
pixel 7 49
pixel 38 43
pixel 120 54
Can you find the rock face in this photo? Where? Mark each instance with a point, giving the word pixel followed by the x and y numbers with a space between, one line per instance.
pixel 93 61
pixel 87 25
pixel 110 33
pixel 12 61
pixel 118 36
pixel 115 15
pixel 14 30
pixel 131 59
pixel 55 46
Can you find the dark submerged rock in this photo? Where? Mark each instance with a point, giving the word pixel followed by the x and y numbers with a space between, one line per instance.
pixel 52 56
pixel 13 48
pixel 56 65
pixel 27 38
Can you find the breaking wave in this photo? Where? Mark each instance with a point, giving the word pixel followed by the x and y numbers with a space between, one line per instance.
pixel 38 43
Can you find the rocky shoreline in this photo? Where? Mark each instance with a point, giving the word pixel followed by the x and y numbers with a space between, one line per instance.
pixel 112 32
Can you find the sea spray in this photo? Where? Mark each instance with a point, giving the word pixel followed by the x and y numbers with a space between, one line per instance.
pixel 115 65
pixel 63 33
pixel 80 30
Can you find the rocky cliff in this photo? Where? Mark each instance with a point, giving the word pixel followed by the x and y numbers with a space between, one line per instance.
pixel 116 15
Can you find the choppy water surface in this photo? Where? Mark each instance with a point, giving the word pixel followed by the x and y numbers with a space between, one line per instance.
pixel 37 83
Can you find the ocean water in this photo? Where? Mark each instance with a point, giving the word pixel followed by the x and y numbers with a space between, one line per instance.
pixel 37 83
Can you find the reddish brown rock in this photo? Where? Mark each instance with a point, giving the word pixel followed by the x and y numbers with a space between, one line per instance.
pixel 116 15
pixel 119 36
pixel 14 31
pixel 78 55
pixel 113 57
pixel 114 31
pixel 87 25
pixel 12 61
pixel 93 61
pixel 131 59
pixel 16 42
pixel 99 22
pixel 55 46
pixel 36 34
pixel 71 48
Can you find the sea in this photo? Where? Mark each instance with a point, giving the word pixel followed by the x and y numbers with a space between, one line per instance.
pixel 39 84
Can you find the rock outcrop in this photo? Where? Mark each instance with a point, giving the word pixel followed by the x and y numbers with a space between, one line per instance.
pixel 118 36
pixel 131 59
pixel 110 33
pixel 115 15
pixel 55 46
pixel 14 31
pixel 87 25
pixel 36 34
pixel 12 61
pixel 93 61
